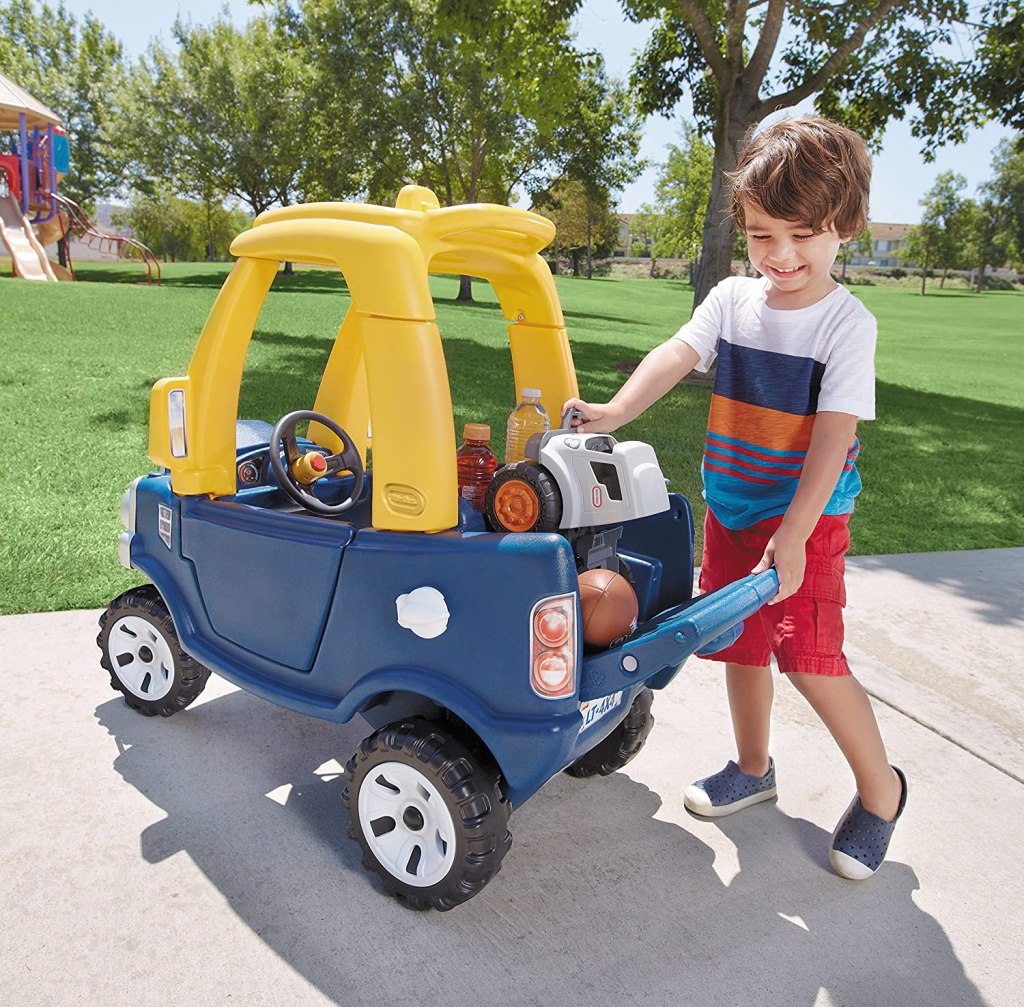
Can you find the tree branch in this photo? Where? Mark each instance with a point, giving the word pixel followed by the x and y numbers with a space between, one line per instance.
pixel 736 20
pixel 758 65
pixel 812 84
pixel 705 34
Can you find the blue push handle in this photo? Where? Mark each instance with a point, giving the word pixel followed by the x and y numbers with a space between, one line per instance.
pixel 714 614
pixel 681 635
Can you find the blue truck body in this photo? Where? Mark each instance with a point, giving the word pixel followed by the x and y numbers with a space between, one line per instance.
pixel 300 610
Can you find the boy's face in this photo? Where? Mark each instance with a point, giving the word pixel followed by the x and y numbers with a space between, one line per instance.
pixel 796 261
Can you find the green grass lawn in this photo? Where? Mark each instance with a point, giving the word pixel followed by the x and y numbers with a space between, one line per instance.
pixel 941 465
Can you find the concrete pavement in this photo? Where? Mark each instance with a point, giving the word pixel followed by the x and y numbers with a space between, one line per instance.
pixel 202 859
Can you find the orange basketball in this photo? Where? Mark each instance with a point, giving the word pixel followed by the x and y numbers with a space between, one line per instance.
pixel 609 606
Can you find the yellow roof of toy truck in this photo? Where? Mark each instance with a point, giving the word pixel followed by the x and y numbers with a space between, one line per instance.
pixel 387 366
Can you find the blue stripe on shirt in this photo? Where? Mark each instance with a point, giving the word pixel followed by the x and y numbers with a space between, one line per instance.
pixel 777 381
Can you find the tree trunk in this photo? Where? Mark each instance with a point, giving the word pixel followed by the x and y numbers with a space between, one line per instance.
pixel 590 228
pixel 654 266
pixel 717 238
pixel 843 274
pixel 465 290
pixel 62 253
pixel 942 282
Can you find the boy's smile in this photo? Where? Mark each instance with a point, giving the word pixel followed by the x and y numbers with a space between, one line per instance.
pixel 796 261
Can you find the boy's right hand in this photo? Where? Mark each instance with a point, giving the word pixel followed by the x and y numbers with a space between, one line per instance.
pixel 593 417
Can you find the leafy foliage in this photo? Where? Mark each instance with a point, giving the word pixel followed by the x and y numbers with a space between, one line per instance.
pixel 459 96
pixel 181 230
pixel 682 191
pixel 581 223
pixel 221 116
pixel 864 62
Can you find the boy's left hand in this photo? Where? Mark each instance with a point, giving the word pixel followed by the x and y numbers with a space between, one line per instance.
pixel 788 553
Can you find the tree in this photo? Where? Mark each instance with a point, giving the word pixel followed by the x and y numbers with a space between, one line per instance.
pixel 181 229
pixel 937 242
pixel 1000 61
pixel 864 61
pixel 995 222
pixel 1006 190
pixel 861 246
pixel 77 70
pixel 682 190
pixel 461 96
pixel 924 246
pixel 222 116
pixel 599 142
pixel 580 224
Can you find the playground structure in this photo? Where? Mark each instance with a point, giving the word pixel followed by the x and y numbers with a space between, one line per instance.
pixel 33 214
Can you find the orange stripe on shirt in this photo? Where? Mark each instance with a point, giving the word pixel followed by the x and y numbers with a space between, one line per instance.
pixel 755 425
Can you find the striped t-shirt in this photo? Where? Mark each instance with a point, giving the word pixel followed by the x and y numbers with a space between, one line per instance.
pixel 776 370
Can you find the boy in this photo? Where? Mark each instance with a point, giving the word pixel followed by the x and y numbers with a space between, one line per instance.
pixel 795 372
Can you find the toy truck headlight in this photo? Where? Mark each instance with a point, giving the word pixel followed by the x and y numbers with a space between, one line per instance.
pixel 176 422
pixel 553 647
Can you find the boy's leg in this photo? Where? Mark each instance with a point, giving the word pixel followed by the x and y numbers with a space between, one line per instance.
pixel 728 556
pixel 750 692
pixel 844 708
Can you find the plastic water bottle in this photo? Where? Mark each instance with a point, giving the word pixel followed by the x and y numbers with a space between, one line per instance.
pixel 528 418
pixel 476 464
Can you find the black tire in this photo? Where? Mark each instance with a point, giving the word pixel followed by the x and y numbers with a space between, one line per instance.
pixel 537 482
pixel 139 647
pixel 622 744
pixel 474 813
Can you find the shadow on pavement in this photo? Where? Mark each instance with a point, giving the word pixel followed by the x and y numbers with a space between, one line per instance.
pixel 598 902
pixel 989 582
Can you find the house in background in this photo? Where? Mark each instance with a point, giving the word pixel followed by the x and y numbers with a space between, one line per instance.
pixel 885 242
pixel 625 246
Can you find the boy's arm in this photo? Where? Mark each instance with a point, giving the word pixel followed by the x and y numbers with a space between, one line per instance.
pixel 660 371
pixel 830 441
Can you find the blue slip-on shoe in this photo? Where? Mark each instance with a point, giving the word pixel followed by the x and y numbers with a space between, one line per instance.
pixel 861 839
pixel 728 791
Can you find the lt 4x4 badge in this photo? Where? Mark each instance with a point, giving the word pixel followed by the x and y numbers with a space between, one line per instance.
pixel 164 524
pixel 592 710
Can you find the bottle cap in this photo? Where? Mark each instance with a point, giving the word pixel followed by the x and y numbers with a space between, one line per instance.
pixel 476 432
pixel 531 393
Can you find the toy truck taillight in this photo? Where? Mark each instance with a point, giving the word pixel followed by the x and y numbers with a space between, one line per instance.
pixel 553 647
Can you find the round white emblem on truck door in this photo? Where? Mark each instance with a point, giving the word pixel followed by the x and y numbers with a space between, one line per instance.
pixel 423 611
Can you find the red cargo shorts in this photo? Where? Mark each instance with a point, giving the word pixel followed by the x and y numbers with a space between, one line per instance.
pixel 805 631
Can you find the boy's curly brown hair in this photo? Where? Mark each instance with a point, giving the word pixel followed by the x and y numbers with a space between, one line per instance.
pixel 809 170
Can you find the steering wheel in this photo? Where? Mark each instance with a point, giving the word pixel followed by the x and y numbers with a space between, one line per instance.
pixel 283 438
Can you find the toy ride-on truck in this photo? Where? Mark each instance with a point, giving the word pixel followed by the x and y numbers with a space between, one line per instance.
pixel 279 559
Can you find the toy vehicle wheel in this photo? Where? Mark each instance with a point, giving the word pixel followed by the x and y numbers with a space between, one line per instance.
pixel 140 649
pixel 622 744
pixel 523 497
pixel 428 814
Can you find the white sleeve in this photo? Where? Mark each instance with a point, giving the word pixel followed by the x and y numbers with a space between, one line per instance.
pixel 848 384
pixel 704 329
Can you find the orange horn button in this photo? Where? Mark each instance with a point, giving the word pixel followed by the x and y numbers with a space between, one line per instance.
pixel 516 506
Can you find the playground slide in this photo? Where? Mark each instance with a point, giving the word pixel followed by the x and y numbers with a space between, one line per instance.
pixel 16 233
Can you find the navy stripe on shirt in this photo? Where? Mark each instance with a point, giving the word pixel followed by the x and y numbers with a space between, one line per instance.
pixel 777 381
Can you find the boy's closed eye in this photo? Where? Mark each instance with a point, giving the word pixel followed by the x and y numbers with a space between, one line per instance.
pixel 767 237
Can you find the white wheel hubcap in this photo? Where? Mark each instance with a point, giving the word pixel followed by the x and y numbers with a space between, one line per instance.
pixel 141 658
pixel 407 825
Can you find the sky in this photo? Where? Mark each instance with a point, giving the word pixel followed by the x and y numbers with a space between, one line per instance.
pixel 900 178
